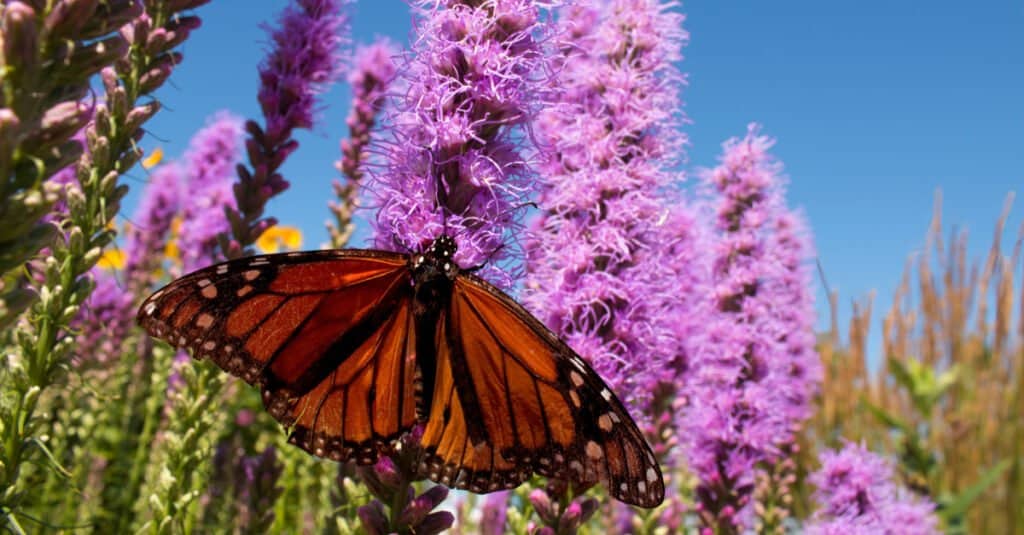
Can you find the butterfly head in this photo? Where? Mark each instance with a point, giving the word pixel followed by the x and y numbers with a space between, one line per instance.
pixel 438 260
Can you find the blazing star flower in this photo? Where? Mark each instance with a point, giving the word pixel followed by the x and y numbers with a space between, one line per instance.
pixel 454 165
pixel 599 273
pixel 146 239
pixel 372 73
pixel 753 366
pixel 302 62
pixel 258 489
pixel 857 493
pixel 373 70
pixel 209 168
pixel 103 322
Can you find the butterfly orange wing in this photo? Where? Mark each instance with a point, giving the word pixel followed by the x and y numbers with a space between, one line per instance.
pixel 327 335
pixel 503 376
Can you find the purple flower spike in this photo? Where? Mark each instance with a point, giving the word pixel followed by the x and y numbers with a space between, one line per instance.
pixel 857 493
pixel 372 73
pixel 753 367
pixel 209 165
pixel 304 59
pixel 454 164
pixel 600 271
pixel 300 65
pixel 103 322
pixel 146 240
pixel 373 70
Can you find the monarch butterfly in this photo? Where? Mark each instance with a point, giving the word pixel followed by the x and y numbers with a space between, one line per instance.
pixel 353 348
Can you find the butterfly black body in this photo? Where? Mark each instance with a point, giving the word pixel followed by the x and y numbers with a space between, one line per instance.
pixel 433 274
pixel 354 348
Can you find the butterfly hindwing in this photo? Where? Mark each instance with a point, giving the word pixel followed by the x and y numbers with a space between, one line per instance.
pixel 538 406
pixel 325 334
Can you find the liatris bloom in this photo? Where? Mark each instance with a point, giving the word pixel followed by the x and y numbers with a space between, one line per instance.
pixel 789 249
pixel 599 272
pixel 372 72
pixel 857 494
pixel 301 63
pixel 752 369
pixel 258 489
pixel 208 167
pixel 454 164
pixel 103 321
pixel 146 238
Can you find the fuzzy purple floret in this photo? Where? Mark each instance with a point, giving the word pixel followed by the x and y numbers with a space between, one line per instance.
pixel 453 162
pixel 857 493
pixel 602 266
pixel 209 169
pixel 753 367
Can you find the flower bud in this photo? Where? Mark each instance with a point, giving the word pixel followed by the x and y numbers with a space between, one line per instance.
pixel 69 16
pixel 21 36
pixel 372 516
pixel 140 114
pixel 156 76
pixel 435 523
pixel 172 35
pixel 418 508
pixel 110 15
pixel 90 59
pixel 185 5
pixel 57 125
pixel 137 32
pixel 542 504
pixel 9 128
pixel 571 518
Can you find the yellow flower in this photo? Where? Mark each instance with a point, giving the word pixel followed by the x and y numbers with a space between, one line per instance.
pixel 112 259
pixel 171 250
pixel 277 237
pixel 153 159
pixel 176 226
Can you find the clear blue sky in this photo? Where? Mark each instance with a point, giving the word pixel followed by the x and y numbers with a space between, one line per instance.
pixel 875 105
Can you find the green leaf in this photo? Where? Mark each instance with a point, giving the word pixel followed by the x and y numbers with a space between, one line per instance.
pixel 54 463
pixel 901 374
pixel 890 421
pixel 954 507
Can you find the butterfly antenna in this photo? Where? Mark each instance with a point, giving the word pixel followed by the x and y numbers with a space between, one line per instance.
pixel 490 257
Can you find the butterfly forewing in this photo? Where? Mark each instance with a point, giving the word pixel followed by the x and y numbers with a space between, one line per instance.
pixel 325 334
pixel 541 408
